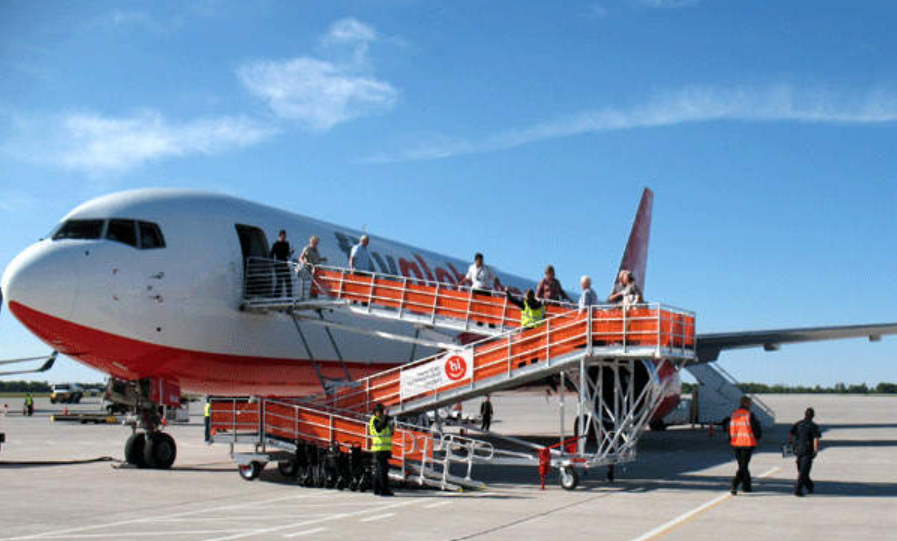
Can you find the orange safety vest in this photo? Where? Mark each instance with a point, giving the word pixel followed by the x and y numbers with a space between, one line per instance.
pixel 740 433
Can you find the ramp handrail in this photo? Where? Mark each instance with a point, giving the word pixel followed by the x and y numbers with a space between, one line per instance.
pixel 650 330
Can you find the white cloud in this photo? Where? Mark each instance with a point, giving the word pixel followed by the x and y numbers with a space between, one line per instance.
pixel 691 105
pixel 350 31
pixel 316 93
pixel 96 144
pixel 319 94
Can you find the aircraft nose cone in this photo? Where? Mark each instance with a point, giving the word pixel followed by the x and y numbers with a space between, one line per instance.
pixel 42 278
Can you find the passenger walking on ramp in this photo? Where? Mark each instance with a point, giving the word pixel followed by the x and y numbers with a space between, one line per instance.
pixel 360 257
pixel 486 412
pixel 744 431
pixel 804 436
pixel 480 277
pixel 281 253
pixel 550 287
pixel 380 429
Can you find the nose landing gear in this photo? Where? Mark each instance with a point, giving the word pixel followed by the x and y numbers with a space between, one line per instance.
pixel 148 446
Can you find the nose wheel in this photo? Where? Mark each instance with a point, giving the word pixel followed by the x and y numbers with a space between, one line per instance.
pixel 156 450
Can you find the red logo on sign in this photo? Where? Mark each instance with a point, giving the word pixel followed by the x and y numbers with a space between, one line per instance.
pixel 455 367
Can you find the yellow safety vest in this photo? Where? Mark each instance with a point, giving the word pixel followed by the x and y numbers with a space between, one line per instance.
pixel 29 401
pixel 380 440
pixel 208 409
pixel 531 318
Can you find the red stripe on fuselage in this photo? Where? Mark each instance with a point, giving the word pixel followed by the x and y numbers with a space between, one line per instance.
pixel 195 371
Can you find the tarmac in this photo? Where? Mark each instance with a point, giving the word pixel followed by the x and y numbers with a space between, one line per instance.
pixel 676 490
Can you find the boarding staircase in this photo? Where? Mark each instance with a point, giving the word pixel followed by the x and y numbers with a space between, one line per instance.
pixel 568 344
pixel 718 394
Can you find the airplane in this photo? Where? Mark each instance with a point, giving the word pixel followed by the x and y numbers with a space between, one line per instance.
pixel 146 286
pixel 48 364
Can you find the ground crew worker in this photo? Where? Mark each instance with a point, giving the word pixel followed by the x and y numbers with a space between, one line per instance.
pixel 380 429
pixel 29 404
pixel 532 311
pixel 486 412
pixel 207 412
pixel 744 431
pixel 804 436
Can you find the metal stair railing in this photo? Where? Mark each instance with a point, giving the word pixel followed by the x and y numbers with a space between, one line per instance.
pixel 522 354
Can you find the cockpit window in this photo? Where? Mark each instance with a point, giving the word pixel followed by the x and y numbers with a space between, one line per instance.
pixel 80 229
pixel 122 231
pixel 150 236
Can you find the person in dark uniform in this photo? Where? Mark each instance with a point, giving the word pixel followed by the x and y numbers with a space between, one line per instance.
pixel 486 412
pixel 281 252
pixel 744 432
pixel 380 430
pixel 804 436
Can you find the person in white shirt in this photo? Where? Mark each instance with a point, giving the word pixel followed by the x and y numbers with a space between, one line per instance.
pixel 480 277
pixel 589 297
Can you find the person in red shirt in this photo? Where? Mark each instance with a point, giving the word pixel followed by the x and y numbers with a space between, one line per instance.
pixel 550 287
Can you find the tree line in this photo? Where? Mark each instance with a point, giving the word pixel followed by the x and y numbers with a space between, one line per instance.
pixel 780 388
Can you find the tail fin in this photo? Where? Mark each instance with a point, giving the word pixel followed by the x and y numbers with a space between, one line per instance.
pixel 635 258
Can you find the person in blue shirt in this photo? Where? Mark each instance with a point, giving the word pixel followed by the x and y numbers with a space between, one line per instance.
pixel 360 257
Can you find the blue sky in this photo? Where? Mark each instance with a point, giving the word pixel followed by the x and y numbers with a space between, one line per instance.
pixel 524 130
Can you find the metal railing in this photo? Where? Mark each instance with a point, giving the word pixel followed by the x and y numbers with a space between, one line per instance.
pixel 647 331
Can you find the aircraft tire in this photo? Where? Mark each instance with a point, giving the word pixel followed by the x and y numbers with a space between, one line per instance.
pixel 160 451
pixel 569 478
pixel 288 468
pixel 251 471
pixel 134 449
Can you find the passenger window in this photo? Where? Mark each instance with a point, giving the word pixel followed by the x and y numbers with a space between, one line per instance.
pixel 122 231
pixel 80 229
pixel 150 236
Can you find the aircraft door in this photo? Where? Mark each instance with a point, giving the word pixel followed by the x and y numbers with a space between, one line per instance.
pixel 256 267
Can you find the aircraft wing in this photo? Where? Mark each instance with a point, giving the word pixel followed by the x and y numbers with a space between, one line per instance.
pixel 711 344
pixel 48 364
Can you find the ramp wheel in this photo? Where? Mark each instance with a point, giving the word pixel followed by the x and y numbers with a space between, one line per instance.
pixel 159 451
pixel 250 471
pixel 134 449
pixel 288 468
pixel 569 478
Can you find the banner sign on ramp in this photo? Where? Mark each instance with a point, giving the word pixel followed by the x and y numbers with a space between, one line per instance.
pixel 453 367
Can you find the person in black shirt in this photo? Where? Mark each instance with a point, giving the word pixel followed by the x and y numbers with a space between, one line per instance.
pixel 281 252
pixel 486 414
pixel 804 436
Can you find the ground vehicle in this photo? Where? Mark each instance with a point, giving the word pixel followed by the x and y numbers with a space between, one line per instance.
pixel 66 393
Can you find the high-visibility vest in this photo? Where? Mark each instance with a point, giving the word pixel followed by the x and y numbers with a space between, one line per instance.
pixel 740 433
pixel 530 317
pixel 29 401
pixel 381 440
pixel 208 410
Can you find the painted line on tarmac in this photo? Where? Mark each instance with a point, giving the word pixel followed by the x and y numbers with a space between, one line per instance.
pixel 118 535
pixel 306 532
pixel 671 525
pixel 377 517
pixel 437 504
pixel 57 533
pixel 337 516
